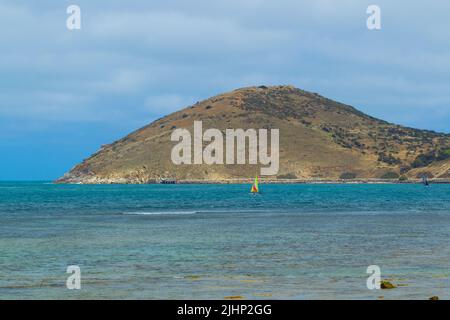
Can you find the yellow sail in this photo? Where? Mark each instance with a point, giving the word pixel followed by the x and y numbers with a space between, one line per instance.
pixel 255 186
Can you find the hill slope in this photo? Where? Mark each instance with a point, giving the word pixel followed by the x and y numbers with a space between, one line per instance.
pixel 319 138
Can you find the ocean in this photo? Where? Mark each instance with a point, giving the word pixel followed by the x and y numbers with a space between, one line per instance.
pixel 300 241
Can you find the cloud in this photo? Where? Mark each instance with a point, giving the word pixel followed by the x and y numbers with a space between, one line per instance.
pixel 137 61
pixel 121 81
pixel 167 103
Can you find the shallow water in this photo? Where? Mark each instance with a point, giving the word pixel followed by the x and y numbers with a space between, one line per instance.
pixel 214 241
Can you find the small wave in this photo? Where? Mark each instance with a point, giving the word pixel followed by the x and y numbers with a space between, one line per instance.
pixel 11 187
pixel 230 211
pixel 149 213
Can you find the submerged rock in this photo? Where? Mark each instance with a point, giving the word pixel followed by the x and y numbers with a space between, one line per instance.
pixel 234 298
pixel 387 285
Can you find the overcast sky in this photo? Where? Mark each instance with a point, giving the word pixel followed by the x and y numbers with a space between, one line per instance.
pixel 64 93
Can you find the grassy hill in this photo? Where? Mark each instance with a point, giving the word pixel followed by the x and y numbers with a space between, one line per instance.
pixel 319 139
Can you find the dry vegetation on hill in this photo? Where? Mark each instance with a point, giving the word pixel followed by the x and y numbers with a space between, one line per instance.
pixel 319 139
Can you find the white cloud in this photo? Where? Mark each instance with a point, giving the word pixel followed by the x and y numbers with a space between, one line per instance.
pixel 156 56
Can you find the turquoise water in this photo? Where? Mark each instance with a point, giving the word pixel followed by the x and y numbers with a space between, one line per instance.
pixel 216 241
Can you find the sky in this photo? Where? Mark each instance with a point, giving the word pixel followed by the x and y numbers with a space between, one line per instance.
pixel 64 93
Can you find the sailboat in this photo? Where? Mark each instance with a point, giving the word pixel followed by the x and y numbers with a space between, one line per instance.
pixel 255 186
pixel 425 181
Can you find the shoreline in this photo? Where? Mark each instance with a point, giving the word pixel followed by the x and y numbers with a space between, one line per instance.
pixel 263 181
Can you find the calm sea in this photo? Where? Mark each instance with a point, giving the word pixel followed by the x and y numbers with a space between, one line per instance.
pixel 217 241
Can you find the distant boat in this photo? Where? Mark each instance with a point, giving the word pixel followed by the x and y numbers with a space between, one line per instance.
pixel 167 181
pixel 425 181
pixel 255 186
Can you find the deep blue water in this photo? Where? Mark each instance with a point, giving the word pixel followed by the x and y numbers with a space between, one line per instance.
pixel 215 241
